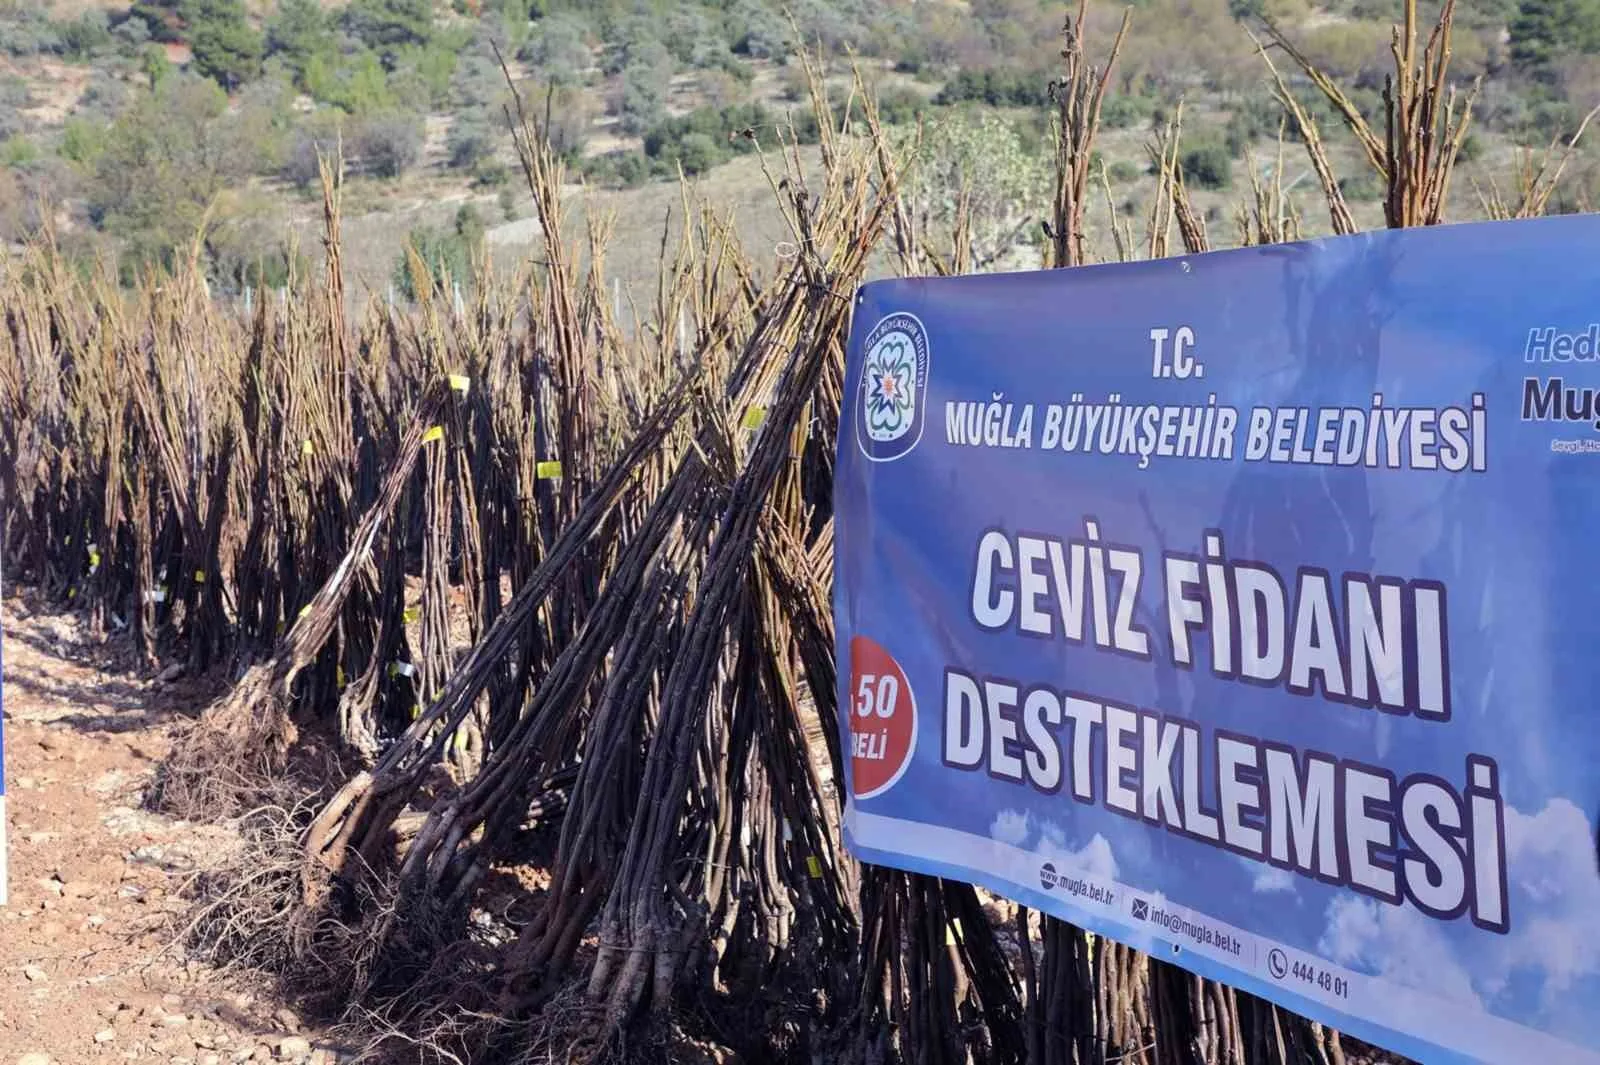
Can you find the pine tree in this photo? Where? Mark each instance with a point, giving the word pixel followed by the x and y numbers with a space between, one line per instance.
pixel 1544 30
pixel 298 33
pixel 161 19
pixel 226 47
pixel 386 26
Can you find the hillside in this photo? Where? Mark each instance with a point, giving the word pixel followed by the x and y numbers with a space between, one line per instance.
pixel 138 123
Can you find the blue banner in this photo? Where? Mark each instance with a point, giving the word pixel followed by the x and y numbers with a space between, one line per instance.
pixel 1236 608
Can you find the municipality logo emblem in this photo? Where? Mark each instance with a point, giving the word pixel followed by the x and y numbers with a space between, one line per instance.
pixel 892 396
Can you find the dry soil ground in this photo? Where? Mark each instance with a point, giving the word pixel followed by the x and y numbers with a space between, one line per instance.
pixel 89 972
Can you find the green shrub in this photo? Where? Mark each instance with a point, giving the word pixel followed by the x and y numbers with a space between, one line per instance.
pixel 24 33
pixel 1362 187
pixel 18 151
pixel 698 153
pixel 390 143
pixel 355 83
pixel 557 50
pixel 14 97
pixel 901 107
pixel 86 36
pixel 715 124
pixel 632 169
pixel 491 173
pixel 1258 117
pixel 1126 111
pixel 318 133
pixel 997 88
pixel 471 140
pixel 643 99
pixel 1123 172
pixel 1209 165
pixel 447 254
pixel 758 31
pixel 82 142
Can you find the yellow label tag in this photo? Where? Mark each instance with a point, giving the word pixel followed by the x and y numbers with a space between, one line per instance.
pixel 435 432
pixel 460 382
pixel 94 558
pixel 814 865
pixel 754 417
pixel 304 611
pixel 69 541
pixel 549 471
pixel 199 576
pixel 338 675
pixel 461 740
pixel 306 448
pixel 951 933
pixel 72 593
pixel 416 711
pixel 410 614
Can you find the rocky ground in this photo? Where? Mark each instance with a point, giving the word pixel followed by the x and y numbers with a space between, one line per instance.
pixel 90 966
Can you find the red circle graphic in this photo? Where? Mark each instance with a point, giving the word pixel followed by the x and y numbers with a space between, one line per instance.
pixel 882 712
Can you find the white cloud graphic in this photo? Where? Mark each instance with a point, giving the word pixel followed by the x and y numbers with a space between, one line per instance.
pixel 1095 858
pixel 1395 943
pixel 1555 922
pixel 1555 896
pixel 1270 880
pixel 1011 826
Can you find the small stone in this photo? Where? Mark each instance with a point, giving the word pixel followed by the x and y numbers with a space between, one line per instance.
pixel 174 1020
pixel 105 1035
pixel 293 1048
pixel 34 1058
pixel 52 886
pixel 287 1019
pixel 34 974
